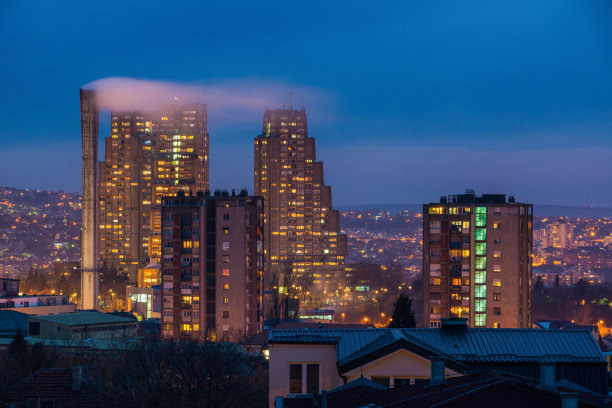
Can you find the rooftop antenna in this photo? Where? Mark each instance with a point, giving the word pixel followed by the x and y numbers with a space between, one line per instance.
pixel 290 100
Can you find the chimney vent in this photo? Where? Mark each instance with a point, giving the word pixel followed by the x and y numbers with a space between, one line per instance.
pixel 437 370
pixel 569 400
pixel 548 375
pixel 77 378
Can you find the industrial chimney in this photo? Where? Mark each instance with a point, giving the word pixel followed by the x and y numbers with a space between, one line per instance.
pixel 89 235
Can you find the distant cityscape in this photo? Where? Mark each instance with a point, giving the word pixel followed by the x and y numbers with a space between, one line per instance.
pixel 40 230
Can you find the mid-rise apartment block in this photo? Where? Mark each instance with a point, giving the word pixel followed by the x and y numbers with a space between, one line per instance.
pixel 558 234
pixel 148 155
pixel 301 228
pixel 212 265
pixel 477 253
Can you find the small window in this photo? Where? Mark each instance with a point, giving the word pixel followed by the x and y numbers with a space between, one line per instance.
pixel 496 225
pixel 312 378
pixel 225 271
pixel 497 254
pixel 496 282
pixel 225 217
pixel 497 297
pixel 295 378
pixel 225 300
pixel 226 286
pixel 497 311
pixel 226 258
pixel 497 325
pixel 226 231
pixel 435 281
pixel 34 329
pixel 226 314
pixel 225 246
pixel 496 268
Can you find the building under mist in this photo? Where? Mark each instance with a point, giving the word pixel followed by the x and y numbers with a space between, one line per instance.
pixel 301 229
pixel 148 155
pixel 477 260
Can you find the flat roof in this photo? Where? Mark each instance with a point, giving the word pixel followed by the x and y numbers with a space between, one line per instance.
pixel 82 318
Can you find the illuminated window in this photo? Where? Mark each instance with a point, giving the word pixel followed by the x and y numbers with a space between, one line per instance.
pixel 225 300
pixel 226 286
pixel 496 282
pixel 226 231
pixel 497 254
pixel 480 262
pixel 480 291
pixel 456 281
pixel 480 248
pixel 497 297
pixel 480 320
pixel 435 281
pixel 480 234
pixel 480 305
pixel 497 325
pixel 225 246
pixel 225 271
pixel 226 258
pixel 480 277
pixel 466 224
pixel 497 225
pixel 496 268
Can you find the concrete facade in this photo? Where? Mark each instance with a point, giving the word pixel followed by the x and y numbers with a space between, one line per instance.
pixel 477 261
pixel 89 236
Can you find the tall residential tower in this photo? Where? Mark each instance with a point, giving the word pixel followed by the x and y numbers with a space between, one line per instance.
pixel 301 229
pixel 148 155
pixel 477 260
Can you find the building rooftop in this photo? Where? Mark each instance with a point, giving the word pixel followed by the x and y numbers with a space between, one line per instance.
pixel 462 345
pixel 12 321
pixel 484 389
pixel 83 318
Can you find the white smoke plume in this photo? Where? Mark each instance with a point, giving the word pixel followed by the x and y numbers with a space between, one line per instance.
pixel 229 99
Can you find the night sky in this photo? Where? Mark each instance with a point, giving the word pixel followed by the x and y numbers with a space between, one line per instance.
pixel 407 101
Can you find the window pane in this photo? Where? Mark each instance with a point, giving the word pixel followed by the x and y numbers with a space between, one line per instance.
pixel 312 378
pixel 295 378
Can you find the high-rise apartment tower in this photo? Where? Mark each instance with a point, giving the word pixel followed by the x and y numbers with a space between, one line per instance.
pixel 148 155
pixel 477 254
pixel 212 266
pixel 301 229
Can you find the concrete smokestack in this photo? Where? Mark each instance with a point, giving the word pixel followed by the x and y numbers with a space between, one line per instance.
pixel 89 235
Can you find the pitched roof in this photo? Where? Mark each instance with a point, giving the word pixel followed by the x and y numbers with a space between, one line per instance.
pixel 82 318
pixel 468 345
pixel 485 389
pixel 11 321
pixel 54 384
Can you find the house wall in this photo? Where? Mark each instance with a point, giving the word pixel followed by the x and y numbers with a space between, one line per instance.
pixel 281 355
pixel 399 364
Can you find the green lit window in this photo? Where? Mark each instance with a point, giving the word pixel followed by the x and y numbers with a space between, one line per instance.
pixel 480 262
pixel 480 220
pixel 481 210
pixel 480 277
pixel 480 320
pixel 480 234
pixel 480 248
pixel 480 291
pixel 480 305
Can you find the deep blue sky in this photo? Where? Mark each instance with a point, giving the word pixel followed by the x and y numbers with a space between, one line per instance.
pixel 419 99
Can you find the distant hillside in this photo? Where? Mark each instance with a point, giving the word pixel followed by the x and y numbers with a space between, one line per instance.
pixel 539 210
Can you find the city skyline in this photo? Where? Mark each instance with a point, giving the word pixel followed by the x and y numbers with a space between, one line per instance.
pixel 526 102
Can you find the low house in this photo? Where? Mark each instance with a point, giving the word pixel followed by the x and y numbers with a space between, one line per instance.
pixel 303 361
pixel 76 327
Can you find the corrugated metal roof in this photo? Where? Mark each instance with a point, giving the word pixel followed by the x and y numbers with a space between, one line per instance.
pixel 486 345
pixel 82 318
pixel 11 321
